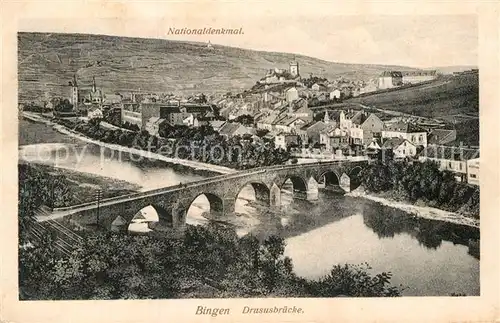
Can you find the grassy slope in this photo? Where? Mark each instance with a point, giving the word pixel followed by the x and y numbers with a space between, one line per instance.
pixel 48 61
pixel 446 96
pixel 444 99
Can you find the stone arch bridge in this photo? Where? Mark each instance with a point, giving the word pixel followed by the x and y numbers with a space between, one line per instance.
pixel 173 202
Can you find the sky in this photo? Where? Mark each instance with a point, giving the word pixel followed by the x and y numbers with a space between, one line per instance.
pixel 417 41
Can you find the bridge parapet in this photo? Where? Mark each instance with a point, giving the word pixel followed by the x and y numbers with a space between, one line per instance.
pixel 221 191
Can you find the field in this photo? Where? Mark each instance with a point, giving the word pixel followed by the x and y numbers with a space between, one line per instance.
pixel 47 63
pixel 447 96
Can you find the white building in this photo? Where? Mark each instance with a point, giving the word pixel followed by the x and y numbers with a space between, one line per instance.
pixel 408 131
pixel 335 94
pixel 291 94
pixel 356 135
pixel 473 171
pixel 401 147
pixel 454 159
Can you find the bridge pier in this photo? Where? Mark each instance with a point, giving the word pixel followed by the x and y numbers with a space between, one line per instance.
pixel 275 196
pixel 345 182
pixel 179 215
pixel 228 207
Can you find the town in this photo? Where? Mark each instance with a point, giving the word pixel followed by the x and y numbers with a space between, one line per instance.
pixel 164 169
pixel 307 117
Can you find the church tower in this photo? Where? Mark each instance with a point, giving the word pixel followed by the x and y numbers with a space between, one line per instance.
pixel 96 94
pixel 74 91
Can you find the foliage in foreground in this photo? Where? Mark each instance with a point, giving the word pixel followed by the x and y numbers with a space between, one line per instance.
pixel 208 262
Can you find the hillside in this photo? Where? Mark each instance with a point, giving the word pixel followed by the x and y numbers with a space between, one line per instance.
pixel 47 62
pixel 452 69
pixel 445 97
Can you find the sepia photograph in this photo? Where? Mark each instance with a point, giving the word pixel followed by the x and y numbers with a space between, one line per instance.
pixel 158 168
pixel 280 163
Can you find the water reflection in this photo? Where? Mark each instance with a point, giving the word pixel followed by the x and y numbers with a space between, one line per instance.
pixel 93 159
pixel 387 222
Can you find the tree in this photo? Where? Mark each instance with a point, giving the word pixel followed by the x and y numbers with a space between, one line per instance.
pixel 354 280
pixel 61 105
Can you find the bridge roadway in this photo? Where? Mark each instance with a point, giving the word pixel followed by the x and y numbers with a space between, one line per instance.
pixel 173 202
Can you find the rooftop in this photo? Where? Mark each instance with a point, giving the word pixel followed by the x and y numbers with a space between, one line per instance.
pixel 394 142
pixel 405 127
pixel 391 74
pixel 449 152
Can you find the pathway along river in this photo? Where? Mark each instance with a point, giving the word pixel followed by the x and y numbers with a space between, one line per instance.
pixel 429 257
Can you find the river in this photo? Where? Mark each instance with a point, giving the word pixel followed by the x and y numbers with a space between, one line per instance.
pixel 428 257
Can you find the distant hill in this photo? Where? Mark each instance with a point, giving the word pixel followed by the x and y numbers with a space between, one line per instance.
pixel 47 62
pixel 446 96
pixel 452 69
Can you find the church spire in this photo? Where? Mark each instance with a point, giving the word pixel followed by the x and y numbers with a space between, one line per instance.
pixel 94 87
pixel 74 81
pixel 327 117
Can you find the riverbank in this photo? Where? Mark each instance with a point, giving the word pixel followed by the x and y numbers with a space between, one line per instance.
pixel 83 187
pixel 419 211
pixel 196 165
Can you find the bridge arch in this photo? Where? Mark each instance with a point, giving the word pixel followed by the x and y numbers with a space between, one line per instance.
pixel 145 220
pixel 355 171
pixel 299 183
pixel 215 205
pixel 329 178
pixel 299 187
pixel 355 175
pixel 261 191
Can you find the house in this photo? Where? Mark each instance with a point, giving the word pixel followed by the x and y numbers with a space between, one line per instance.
pixel 374 145
pixel 335 94
pixel 317 87
pixel 217 124
pixel 190 120
pixel 284 140
pixel 267 122
pixel 314 130
pixel 372 126
pixel 356 136
pixel 401 147
pixel 334 138
pixel 111 100
pixel 473 171
pixel 291 94
pixel 231 129
pixel 390 79
pixel 441 136
pixel 373 148
pixel 418 76
pixel 288 124
pixel 299 108
pixel 454 159
pixel 346 119
pixel 409 131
